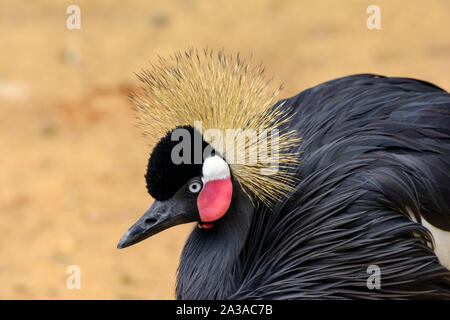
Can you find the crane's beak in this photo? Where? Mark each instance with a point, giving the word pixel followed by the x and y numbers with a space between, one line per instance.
pixel 161 215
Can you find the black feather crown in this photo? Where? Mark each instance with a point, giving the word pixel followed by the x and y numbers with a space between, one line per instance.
pixel 164 177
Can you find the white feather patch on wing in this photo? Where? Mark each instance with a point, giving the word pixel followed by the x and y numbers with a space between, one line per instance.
pixel 215 168
pixel 441 242
pixel 441 239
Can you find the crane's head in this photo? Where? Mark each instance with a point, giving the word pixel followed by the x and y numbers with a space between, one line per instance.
pixel 213 94
pixel 183 192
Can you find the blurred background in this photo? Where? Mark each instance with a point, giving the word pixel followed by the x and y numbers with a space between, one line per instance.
pixel 72 162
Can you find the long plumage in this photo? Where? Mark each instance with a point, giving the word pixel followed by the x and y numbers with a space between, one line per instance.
pixel 375 157
pixel 360 189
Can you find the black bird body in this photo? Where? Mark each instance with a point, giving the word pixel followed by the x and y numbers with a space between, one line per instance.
pixel 375 158
pixel 359 206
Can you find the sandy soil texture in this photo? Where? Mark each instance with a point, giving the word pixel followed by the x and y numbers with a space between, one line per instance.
pixel 71 159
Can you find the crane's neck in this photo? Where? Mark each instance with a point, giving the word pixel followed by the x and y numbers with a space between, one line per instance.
pixel 209 262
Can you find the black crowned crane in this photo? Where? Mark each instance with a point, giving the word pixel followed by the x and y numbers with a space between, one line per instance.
pixel 350 175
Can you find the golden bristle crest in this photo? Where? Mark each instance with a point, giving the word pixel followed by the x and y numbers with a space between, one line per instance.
pixel 222 92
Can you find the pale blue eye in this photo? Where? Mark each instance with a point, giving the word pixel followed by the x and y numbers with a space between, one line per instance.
pixel 195 187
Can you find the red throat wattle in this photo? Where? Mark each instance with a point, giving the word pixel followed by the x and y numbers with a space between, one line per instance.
pixel 215 198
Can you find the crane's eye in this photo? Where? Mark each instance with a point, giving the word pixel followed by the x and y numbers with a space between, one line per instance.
pixel 195 187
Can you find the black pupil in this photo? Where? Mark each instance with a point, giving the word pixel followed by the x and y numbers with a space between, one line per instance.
pixel 194 186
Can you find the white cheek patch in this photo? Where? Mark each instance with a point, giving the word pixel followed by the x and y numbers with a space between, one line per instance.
pixel 215 168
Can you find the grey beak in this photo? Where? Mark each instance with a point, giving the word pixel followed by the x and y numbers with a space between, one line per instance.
pixel 160 216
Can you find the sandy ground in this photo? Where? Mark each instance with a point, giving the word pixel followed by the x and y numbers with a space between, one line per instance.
pixel 72 161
